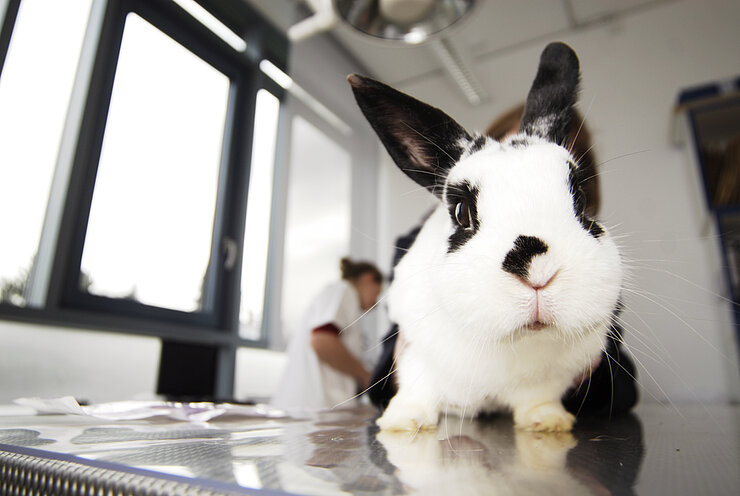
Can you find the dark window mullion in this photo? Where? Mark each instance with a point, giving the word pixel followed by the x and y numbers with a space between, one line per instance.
pixel 242 111
pixel 217 272
pixel 6 29
pixel 65 279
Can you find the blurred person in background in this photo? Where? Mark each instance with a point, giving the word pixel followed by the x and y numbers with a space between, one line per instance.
pixel 324 365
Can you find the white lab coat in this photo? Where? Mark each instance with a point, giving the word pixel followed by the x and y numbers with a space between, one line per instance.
pixel 308 383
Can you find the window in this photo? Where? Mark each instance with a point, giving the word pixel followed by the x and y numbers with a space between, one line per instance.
pixel 317 230
pixel 259 209
pixel 35 85
pixel 150 230
pixel 157 237
pixel 125 171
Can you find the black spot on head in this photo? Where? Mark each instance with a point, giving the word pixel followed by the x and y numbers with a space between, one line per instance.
pixel 520 142
pixel 519 258
pixel 477 144
pixel 456 194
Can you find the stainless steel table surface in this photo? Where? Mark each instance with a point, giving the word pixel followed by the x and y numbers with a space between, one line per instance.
pixel 682 449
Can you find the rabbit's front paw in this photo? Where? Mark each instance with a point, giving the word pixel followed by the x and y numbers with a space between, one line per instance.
pixel 546 417
pixel 407 416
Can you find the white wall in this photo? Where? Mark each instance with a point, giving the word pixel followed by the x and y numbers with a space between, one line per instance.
pixel 95 366
pixel 678 324
pixel 99 366
pixel 258 373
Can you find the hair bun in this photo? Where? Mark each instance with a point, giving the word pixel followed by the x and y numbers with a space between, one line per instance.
pixel 352 270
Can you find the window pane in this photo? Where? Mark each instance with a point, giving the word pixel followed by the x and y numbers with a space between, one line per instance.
pixel 35 87
pixel 318 218
pixel 257 229
pixel 150 228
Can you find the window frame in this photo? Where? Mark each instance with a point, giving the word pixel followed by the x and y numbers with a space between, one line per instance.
pixel 181 27
pixel 59 301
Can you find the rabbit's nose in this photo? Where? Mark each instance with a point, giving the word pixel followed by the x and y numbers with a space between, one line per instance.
pixel 538 281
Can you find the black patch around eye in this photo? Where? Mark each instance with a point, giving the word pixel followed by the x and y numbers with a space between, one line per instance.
pixel 579 201
pixel 519 258
pixel 591 226
pixel 467 194
pixel 576 192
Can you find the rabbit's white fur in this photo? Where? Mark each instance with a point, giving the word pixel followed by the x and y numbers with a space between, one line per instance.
pixel 465 319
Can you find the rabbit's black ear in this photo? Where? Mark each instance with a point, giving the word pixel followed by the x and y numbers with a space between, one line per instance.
pixel 549 107
pixel 423 141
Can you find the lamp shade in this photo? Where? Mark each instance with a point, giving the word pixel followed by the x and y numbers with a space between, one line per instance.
pixel 407 21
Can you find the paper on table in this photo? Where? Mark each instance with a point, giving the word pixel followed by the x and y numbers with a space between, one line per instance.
pixel 135 410
pixel 64 404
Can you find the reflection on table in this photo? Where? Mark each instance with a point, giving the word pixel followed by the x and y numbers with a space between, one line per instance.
pixel 656 449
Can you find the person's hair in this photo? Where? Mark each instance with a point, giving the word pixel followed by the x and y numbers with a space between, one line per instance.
pixel 351 270
pixel 579 144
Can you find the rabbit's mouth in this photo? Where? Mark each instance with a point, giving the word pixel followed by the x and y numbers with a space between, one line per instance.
pixel 535 326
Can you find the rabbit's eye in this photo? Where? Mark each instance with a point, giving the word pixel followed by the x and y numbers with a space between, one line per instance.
pixel 462 215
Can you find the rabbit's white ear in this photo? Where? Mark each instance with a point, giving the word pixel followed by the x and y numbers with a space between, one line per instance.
pixel 423 141
pixel 549 106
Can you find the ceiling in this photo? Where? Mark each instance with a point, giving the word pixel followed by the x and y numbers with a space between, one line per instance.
pixel 493 27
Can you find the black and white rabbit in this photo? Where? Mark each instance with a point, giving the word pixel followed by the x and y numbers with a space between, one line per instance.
pixel 508 291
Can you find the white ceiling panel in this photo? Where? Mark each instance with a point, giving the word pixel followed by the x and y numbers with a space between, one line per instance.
pixel 585 11
pixel 282 13
pixel 499 24
pixel 492 27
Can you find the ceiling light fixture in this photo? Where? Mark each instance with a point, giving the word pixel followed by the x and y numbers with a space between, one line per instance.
pixel 410 22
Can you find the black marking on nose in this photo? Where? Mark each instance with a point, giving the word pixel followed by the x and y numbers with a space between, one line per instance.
pixel 519 258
